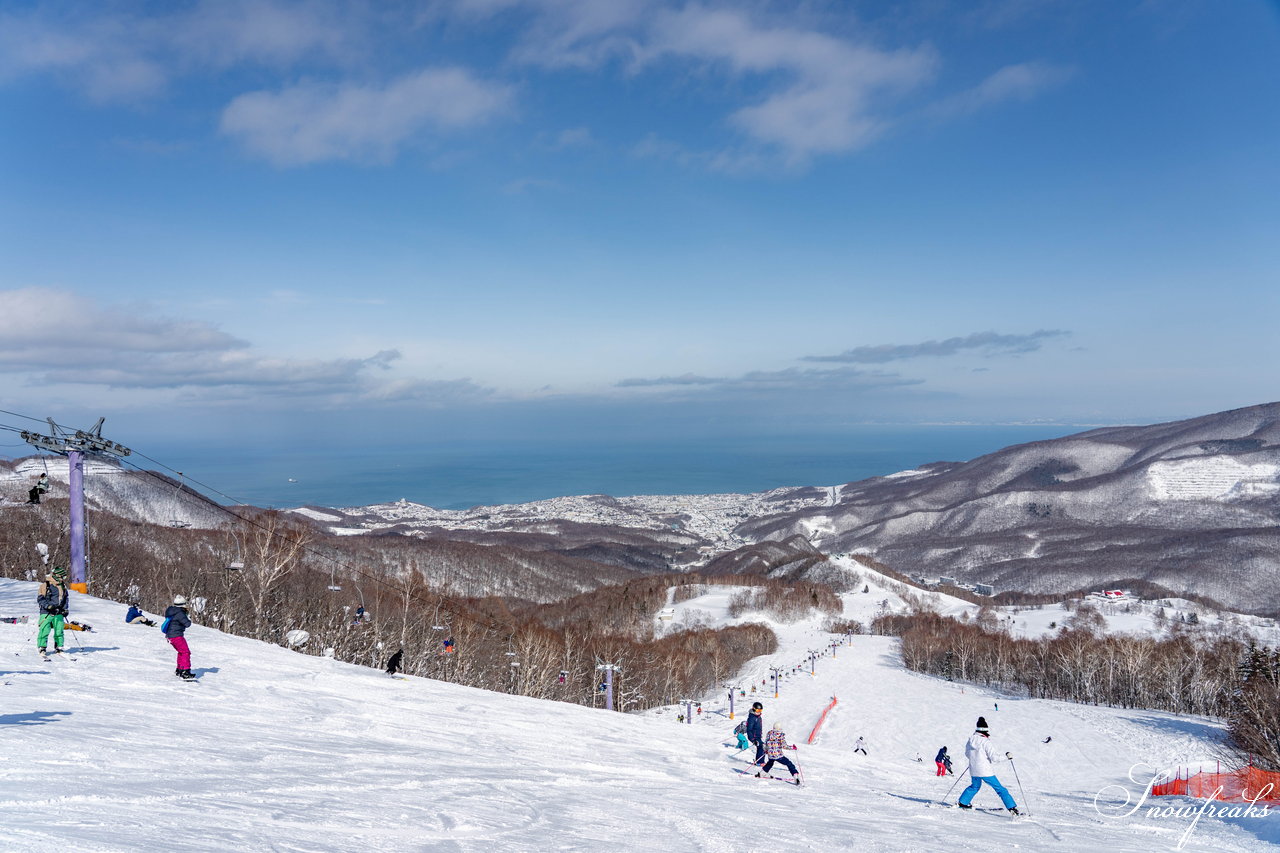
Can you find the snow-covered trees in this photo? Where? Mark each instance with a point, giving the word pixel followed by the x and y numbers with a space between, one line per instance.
pixel 1253 713
pixel 1180 673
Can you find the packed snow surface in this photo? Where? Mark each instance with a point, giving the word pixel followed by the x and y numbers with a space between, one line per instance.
pixel 281 751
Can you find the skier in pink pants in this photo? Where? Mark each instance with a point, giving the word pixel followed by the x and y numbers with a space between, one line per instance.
pixel 176 623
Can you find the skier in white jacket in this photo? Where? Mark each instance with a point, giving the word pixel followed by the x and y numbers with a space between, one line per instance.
pixel 982 758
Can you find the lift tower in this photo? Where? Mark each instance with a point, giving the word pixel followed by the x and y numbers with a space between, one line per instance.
pixel 76 447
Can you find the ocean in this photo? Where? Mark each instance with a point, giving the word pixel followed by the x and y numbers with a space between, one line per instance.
pixel 463 475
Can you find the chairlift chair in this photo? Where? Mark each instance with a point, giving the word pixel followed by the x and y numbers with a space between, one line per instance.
pixel 174 521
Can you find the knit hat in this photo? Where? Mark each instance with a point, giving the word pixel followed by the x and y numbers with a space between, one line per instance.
pixel 982 725
pixel 776 727
pixel 181 601
pixel 59 573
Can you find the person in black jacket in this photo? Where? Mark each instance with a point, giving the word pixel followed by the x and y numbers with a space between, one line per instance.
pixel 176 623
pixel 41 486
pixel 52 599
pixel 393 665
pixel 755 730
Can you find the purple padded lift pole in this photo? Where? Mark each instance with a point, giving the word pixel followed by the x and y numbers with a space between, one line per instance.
pixel 75 474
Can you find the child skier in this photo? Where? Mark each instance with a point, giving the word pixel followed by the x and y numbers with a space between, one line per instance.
pixel 176 623
pixel 982 759
pixel 741 732
pixel 944 762
pixel 52 599
pixel 774 744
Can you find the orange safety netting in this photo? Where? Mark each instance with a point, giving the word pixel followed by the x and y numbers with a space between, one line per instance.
pixel 813 735
pixel 1248 784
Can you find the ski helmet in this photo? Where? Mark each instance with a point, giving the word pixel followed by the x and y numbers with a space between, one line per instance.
pixel 180 600
pixel 756 706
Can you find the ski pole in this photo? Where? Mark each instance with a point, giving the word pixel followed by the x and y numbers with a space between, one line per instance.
pixel 1019 784
pixel 944 801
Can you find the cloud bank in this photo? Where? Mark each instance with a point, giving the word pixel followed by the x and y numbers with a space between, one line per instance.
pixel 795 85
pixel 55 337
pixel 986 343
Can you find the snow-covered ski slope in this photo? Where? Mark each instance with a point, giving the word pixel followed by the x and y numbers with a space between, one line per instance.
pixel 278 751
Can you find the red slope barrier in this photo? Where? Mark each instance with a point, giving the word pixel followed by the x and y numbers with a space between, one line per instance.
pixel 813 735
pixel 1243 785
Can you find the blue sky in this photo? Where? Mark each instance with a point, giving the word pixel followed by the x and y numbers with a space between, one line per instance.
pixel 506 218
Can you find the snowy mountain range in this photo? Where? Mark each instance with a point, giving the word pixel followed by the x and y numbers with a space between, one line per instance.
pixel 1193 506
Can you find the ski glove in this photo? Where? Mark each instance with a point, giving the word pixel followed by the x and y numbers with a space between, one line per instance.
pixel 1009 755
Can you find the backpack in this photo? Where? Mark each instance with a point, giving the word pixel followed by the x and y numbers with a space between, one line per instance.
pixel 164 626
pixel 741 728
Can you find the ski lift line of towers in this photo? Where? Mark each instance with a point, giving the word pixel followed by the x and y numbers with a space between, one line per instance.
pixel 737 691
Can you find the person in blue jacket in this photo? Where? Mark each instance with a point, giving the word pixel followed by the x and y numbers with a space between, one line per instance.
pixel 135 616
pixel 755 730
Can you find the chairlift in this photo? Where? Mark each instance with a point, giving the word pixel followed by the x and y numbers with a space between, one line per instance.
pixel 174 521
pixel 333 582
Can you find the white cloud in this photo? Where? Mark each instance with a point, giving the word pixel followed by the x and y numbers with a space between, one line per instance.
pixel 310 122
pixel 791 380
pixel 228 32
pixel 37 322
pixel 1019 82
pixel 817 93
pixel 570 33
pixel 53 337
pixel 118 53
pixel 826 102
pixel 987 343
pixel 523 186
pixel 574 137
